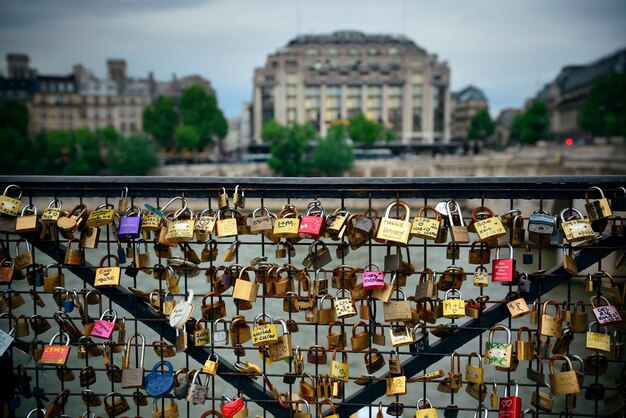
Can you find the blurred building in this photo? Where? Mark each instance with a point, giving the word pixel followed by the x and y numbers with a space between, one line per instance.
pixel 465 104
pixel 81 99
pixel 503 125
pixel 321 79
pixel 565 95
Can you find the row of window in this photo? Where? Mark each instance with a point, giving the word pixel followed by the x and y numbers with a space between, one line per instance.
pixel 333 52
pixel 56 86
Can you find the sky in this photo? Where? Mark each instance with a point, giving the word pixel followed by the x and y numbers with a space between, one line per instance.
pixel 507 48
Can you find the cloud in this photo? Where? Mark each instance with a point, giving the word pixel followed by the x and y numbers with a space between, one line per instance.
pixel 509 49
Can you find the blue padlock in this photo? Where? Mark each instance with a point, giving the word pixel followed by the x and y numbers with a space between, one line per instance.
pixel 158 384
pixel 15 402
pixel 121 254
pixel 68 304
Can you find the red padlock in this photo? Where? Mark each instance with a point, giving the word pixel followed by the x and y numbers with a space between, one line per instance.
pixel 230 407
pixel 510 406
pixel 311 224
pixel 103 328
pixel 503 269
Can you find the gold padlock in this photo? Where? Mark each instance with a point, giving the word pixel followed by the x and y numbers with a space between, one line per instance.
pixel 576 228
pixel 459 233
pixel 392 230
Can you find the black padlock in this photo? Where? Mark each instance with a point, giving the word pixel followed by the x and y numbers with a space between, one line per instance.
pixel 451 411
pixel 595 392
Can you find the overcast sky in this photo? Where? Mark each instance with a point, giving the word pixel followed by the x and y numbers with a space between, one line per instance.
pixel 507 48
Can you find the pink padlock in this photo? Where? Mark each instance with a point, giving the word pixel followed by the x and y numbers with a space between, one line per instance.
pixel 372 279
pixel 103 328
pixel 605 314
pixel 312 223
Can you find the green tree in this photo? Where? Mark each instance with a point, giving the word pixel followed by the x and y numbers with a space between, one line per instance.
pixel 333 155
pixel 187 137
pixel 367 132
pixel 15 151
pixel 531 125
pixel 481 126
pixel 14 114
pixel 198 109
pixel 603 112
pixel 289 155
pixel 274 131
pixel 160 120
pixel 134 156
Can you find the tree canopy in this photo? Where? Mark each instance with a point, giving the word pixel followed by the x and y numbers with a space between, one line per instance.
pixel 532 125
pixel 160 120
pixel 332 155
pixel 367 132
pixel 603 112
pixel 289 155
pixel 481 126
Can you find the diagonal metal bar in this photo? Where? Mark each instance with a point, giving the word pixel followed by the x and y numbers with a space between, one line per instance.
pixel 475 327
pixel 120 296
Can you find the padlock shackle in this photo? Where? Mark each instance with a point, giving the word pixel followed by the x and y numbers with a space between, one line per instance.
pixel 407 210
pixel 475 354
pixel 572 212
pixel 126 359
pixel 61 335
pixel 556 307
pixel 31 208
pixel 422 402
pixel 504 245
pixel 484 410
pixel 500 327
pixel 592 188
pixel 458 363
pixel 457 209
pixel 560 357
pixel 13 186
pixel 458 293
pixel 425 209
pixel 106 257
pixel 506 390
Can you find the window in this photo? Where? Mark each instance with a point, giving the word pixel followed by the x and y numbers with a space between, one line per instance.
pixel 353 51
pixel 291 63
pixel 292 89
pixel 312 52
pixel 332 52
pixel 393 51
pixel 333 90
pixel 372 51
pixel 312 91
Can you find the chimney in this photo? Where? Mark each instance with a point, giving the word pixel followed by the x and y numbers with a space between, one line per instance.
pixel 17 65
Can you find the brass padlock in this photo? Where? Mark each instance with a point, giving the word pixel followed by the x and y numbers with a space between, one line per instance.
pixel 524 349
pixel 73 256
pixel 576 228
pixel 28 220
pixel 392 230
pixel 459 233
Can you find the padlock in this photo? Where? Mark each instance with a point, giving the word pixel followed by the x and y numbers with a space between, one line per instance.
pixel 130 224
pixel 498 354
pixel 122 203
pixel 360 340
pixel 459 233
pixel 517 234
pixel 182 311
pixel 133 377
pixel 392 230
pixel 397 310
pixel 426 288
pixel 162 349
pixel 158 384
pixel 503 269
pixel 56 354
pixel 453 251
pixel 324 316
pixel 474 374
pixel 201 335
pixel 39 324
pixel 281 349
pixel 118 406
pixel 142 259
pixel 481 277
pixel 489 228
pixel 576 228
pixel 180 228
pixel 23 260
pixel 510 405
pixel 453 305
pixel 480 255
pixel 378 338
pixel 211 364
pixel 425 227
pixel 73 256
pixel 605 314
pixel 103 328
pixel 312 223
pixel 339 369
pixel 401 335
pixel 541 222
pixel 102 215
pixel 599 208
pixel 551 326
pixel 477 391
pixel 420 336
pixel 204 224
pixel 454 381
pixel 215 309
pixel 569 263
pixel 524 349
pixel 197 391
pixel 536 375
pixel 564 382
pixel 106 276
pixel 287 224
pixel 8 205
pixel 451 278
pixel 344 306
pixel 597 341
pixel 28 220
pixel 245 290
pixel 424 409
pixel 169 410
pixel 330 403
pixel 264 333
pixel 372 279
pixel 396 384
pixel 516 305
pixel 595 392
pixel 336 339
pixel 580 318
